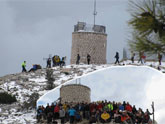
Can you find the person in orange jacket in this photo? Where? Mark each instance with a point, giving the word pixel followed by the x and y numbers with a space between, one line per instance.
pixel 124 116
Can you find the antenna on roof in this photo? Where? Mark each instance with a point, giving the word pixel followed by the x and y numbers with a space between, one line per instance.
pixel 94 13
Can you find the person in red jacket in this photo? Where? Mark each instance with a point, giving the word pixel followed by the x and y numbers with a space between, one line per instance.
pixel 125 117
pixel 56 111
pixel 128 107
pixel 92 107
pixel 99 106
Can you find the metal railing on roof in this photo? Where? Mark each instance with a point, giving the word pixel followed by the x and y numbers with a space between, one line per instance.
pixel 83 27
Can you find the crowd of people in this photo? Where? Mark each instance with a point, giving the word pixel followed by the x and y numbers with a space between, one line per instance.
pixel 101 111
pixel 56 60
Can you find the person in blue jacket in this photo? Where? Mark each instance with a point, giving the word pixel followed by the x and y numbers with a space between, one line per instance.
pixel 72 113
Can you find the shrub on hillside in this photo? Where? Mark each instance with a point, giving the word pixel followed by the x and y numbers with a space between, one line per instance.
pixel 50 79
pixel 31 103
pixel 6 98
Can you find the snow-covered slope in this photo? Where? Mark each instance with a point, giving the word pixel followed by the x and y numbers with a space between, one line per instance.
pixel 22 85
pixel 140 85
pixel 136 84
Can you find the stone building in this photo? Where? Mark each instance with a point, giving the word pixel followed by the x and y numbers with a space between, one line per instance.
pixel 89 39
pixel 75 93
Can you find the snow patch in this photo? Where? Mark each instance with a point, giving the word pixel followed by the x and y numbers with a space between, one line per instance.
pixel 38 80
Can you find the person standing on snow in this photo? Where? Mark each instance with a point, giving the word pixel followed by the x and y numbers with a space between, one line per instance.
pixel 140 57
pixel 24 66
pixel 117 58
pixel 88 59
pixel 159 58
pixel 132 57
pixel 48 63
pixel 78 59
pixel 143 58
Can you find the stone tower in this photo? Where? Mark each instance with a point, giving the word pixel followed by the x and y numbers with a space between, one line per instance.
pixel 75 93
pixel 89 39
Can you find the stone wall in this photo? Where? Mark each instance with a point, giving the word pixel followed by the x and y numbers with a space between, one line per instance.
pixel 90 43
pixel 75 93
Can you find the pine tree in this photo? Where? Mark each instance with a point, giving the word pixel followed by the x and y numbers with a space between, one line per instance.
pixel 50 79
pixel 148 23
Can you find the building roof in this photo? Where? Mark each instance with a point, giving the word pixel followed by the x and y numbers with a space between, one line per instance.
pixel 83 27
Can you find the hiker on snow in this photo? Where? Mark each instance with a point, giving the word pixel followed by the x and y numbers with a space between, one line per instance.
pixel 63 61
pixel 140 57
pixel 159 58
pixel 117 58
pixel 23 66
pixel 88 59
pixel 48 63
pixel 78 59
pixel 132 57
